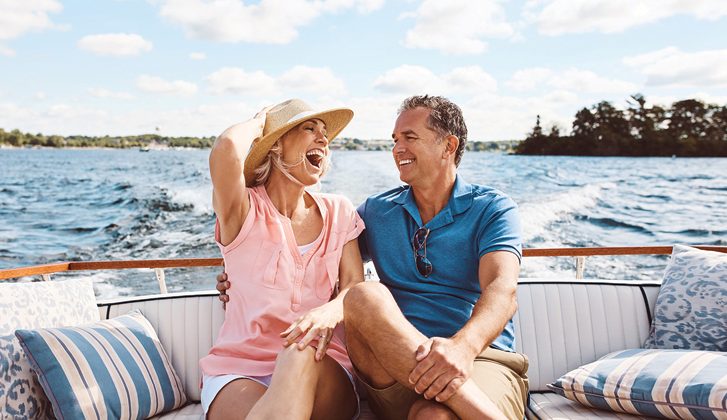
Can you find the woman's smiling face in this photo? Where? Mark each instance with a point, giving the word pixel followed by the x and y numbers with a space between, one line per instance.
pixel 306 147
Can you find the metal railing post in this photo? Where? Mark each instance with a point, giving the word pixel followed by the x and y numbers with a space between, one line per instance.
pixel 162 281
pixel 580 267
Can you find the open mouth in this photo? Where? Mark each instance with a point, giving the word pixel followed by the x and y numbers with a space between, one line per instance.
pixel 315 157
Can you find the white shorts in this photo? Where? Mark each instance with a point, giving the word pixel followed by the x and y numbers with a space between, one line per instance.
pixel 212 385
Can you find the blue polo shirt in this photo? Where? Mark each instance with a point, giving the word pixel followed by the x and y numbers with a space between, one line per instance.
pixel 476 220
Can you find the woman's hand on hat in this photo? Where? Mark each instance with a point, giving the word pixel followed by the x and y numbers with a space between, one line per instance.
pixel 263 112
pixel 259 120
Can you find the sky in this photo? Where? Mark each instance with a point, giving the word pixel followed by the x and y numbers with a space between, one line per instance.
pixel 195 67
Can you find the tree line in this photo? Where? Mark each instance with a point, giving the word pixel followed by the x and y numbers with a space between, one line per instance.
pixel 688 128
pixel 19 139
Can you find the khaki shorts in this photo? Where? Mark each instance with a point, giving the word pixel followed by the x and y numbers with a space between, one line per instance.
pixel 499 374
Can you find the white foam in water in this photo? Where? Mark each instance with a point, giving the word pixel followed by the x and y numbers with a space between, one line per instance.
pixel 103 285
pixel 200 198
pixel 537 216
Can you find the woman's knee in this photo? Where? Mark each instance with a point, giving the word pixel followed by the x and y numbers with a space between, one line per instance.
pixel 429 410
pixel 292 356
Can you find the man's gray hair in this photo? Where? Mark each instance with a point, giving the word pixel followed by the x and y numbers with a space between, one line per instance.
pixel 445 118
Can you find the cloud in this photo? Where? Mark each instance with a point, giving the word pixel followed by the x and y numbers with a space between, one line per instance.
pixel 20 17
pixel 557 17
pixel 66 119
pixel 108 94
pixel 458 26
pixel 8 52
pixel 115 44
pixel 671 67
pixel 265 22
pixel 469 79
pixel 153 84
pixel 582 81
pixel 300 79
pixel 668 100
pixel 319 80
pixel 40 95
pixel 415 80
pixel 529 79
pixel 236 81
pixel 198 56
pixel 65 111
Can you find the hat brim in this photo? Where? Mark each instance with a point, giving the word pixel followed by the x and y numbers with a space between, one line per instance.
pixel 334 119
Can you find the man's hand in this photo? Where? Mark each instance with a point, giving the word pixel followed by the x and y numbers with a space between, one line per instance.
pixel 222 286
pixel 444 365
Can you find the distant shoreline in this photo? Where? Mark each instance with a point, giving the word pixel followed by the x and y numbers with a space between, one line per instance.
pixel 344 143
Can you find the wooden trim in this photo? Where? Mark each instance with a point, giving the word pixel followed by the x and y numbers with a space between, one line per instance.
pixel 33 270
pixel 216 262
pixel 125 264
pixel 621 250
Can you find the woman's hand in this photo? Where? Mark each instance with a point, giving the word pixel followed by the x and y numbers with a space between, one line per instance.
pixel 316 324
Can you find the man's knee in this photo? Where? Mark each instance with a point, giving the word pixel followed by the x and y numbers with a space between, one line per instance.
pixel 424 409
pixel 363 299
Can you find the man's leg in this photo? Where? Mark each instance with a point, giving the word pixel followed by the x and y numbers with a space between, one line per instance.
pixel 382 345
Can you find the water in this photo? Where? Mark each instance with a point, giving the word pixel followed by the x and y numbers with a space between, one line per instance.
pixel 61 205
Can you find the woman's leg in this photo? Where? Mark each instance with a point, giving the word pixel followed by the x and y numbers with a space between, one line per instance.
pixel 235 399
pixel 302 388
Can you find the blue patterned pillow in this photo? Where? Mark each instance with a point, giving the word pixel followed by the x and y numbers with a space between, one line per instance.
pixel 112 369
pixel 690 308
pixel 676 384
pixel 35 305
pixel 21 396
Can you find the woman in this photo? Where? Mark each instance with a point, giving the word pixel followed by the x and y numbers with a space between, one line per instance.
pixel 278 353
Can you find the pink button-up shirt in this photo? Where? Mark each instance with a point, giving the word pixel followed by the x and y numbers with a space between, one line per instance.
pixel 272 284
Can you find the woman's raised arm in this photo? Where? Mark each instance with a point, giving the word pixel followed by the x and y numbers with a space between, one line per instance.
pixel 227 159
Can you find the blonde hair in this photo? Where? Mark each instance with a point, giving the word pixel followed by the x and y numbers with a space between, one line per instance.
pixel 274 158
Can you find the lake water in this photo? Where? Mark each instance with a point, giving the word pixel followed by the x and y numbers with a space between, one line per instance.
pixel 58 205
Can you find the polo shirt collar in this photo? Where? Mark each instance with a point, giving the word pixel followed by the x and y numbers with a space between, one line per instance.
pixel 459 202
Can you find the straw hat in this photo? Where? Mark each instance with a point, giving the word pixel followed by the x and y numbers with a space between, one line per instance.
pixel 284 116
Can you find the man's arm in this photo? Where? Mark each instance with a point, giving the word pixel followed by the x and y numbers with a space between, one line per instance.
pixel 446 363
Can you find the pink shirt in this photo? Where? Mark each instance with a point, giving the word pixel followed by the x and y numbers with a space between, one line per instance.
pixel 272 284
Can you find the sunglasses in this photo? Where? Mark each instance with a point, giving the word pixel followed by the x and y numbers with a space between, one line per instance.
pixel 419 244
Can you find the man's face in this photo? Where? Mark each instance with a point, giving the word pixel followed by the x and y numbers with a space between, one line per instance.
pixel 417 151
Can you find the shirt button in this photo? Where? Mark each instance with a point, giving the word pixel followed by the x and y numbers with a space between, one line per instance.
pixel 299 266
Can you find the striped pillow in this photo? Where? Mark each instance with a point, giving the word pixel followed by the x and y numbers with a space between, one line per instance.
pixel 676 384
pixel 111 369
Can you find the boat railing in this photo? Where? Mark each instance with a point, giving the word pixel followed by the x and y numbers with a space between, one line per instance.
pixel 159 265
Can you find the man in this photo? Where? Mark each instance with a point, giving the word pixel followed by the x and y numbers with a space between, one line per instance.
pixel 434 338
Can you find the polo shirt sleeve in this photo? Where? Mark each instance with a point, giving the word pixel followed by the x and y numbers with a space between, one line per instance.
pixel 362 242
pixel 500 228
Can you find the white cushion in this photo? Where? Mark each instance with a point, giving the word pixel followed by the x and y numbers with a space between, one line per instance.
pixel 548 405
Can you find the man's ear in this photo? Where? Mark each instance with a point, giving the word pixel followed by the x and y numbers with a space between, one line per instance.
pixel 452 142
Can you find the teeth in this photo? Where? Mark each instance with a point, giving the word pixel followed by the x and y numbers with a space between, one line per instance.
pixel 405 161
pixel 315 152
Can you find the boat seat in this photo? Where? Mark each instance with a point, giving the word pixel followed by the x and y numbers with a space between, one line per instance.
pixel 563 324
pixel 560 324
pixel 188 412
